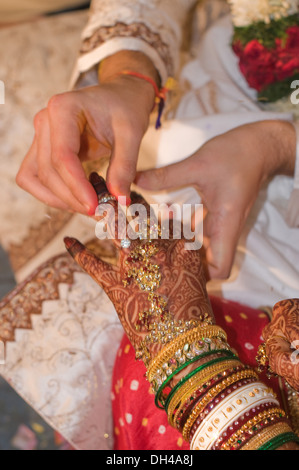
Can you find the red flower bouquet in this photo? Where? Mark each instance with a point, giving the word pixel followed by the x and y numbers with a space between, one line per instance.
pixel 269 61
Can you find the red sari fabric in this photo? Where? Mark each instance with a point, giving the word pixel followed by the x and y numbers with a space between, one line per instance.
pixel 138 424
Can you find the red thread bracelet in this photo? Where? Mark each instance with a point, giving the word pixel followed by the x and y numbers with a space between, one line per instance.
pixel 160 94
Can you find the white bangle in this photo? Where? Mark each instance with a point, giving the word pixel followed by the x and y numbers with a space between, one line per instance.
pixel 230 410
pixel 292 216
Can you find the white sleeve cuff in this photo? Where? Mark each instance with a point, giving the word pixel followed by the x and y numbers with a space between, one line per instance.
pixel 88 61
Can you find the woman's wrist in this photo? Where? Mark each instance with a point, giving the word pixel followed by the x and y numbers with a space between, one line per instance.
pixel 196 393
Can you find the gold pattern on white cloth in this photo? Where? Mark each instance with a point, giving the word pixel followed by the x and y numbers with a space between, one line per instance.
pixel 33 68
pixel 62 363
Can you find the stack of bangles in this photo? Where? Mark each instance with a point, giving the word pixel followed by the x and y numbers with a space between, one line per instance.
pixel 221 404
pixel 215 401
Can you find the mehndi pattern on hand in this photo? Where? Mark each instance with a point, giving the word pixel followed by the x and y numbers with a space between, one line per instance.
pixel 282 341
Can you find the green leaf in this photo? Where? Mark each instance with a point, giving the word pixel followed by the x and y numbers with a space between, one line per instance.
pixel 266 34
pixel 278 90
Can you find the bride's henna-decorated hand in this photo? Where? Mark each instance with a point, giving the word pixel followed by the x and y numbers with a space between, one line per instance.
pixel 182 283
pixel 282 341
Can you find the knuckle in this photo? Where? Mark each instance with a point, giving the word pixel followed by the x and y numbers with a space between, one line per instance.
pixel 57 159
pixel 61 159
pixel 160 176
pixel 122 174
pixel 220 271
pixel 43 175
pixel 55 102
pixel 39 120
pixel 129 167
pixel 20 179
pixel 223 274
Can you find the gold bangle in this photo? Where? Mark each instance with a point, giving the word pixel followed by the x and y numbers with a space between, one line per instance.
pixel 211 395
pixel 265 436
pixel 202 377
pixel 252 422
pixel 171 348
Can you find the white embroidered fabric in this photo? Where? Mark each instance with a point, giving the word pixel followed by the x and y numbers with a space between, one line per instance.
pixel 162 18
pixel 63 365
pixel 33 68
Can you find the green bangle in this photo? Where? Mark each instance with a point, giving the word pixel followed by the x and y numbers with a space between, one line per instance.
pixel 179 369
pixel 227 353
pixel 279 440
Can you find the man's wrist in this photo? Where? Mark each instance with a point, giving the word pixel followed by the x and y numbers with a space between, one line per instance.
pixel 135 61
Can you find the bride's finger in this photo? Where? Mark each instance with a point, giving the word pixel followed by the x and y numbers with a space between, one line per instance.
pixel 162 220
pixel 111 213
pixel 137 198
pixel 142 217
pixel 106 275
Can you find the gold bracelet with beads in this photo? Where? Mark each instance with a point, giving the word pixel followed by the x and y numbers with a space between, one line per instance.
pixel 266 435
pixel 182 341
pixel 249 425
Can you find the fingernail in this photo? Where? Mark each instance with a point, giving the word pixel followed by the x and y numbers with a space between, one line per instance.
pixel 135 195
pixel 69 242
pixel 98 183
pixel 95 177
pixel 73 246
pixel 90 211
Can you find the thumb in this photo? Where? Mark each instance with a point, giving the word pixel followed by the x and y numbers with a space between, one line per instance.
pixel 178 174
pixel 122 167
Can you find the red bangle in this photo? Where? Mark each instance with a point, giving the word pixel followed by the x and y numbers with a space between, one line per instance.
pixel 159 93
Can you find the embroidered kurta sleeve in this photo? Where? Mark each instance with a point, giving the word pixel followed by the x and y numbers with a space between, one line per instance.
pixel 154 27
